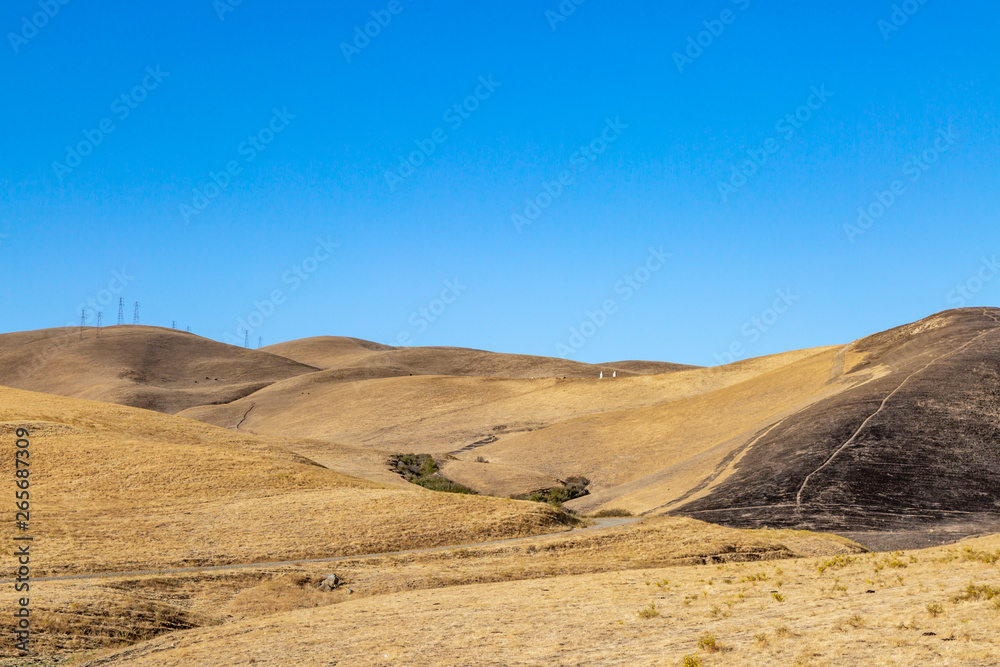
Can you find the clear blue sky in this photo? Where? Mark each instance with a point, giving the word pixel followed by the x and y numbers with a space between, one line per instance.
pixel 329 122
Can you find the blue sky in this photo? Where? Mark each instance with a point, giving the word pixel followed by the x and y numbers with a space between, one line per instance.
pixel 714 161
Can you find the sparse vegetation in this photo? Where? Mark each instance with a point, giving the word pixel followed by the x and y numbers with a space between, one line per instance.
pixel 422 469
pixel 649 612
pixel 935 609
pixel 975 592
pixel 990 558
pixel 837 562
pixel 573 487
pixel 611 513
pixel 893 560
pixel 719 612
pixel 710 643
pixel 691 661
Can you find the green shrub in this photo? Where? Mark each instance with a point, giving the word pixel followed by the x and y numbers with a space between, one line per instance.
pixel 709 643
pixel 837 562
pixel 649 612
pixel 573 487
pixel 977 592
pixel 423 470
pixel 981 556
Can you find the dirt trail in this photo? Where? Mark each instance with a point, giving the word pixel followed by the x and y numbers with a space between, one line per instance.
pixel 598 524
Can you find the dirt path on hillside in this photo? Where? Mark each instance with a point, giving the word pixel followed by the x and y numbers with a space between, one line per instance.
pixel 598 524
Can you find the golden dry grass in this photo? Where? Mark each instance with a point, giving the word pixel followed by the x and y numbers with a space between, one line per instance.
pixel 78 615
pixel 653 437
pixel 334 352
pixel 116 488
pixel 149 367
pixel 869 609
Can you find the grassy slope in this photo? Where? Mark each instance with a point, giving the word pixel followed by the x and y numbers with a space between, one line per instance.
pixel 117 488
pixel 862 609
pixel 334 352
pixel 611 431
pixel 148 367
pixel 77 615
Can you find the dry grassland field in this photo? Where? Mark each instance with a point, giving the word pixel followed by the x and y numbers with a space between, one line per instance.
pixel 331 501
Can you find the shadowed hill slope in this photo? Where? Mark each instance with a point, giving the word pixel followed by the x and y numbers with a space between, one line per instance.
pixel 147 367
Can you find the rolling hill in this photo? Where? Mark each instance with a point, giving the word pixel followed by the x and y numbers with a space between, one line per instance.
pixel 895 433
pixel 147 367
pixel 116 488
pixel 275 457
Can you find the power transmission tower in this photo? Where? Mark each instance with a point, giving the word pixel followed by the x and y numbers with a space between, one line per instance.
pixel 83 321
pixel 100 322
pixel 246 339
pixel 174 325
pixel 121 311
pixel 189 329
pixel 135 317
pixel 260 341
